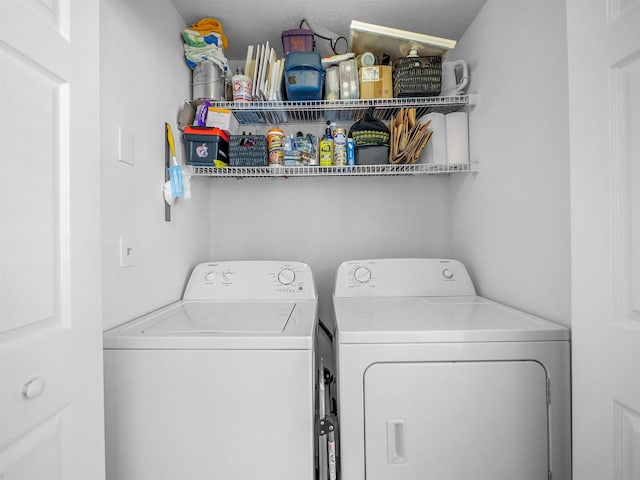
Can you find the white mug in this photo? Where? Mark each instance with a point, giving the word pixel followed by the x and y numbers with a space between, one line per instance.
pixel 455 78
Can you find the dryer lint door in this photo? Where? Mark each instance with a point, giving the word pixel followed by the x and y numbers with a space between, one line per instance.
pixel 456 420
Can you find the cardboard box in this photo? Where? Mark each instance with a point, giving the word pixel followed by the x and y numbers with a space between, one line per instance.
pixel 221 118
pixel 375 82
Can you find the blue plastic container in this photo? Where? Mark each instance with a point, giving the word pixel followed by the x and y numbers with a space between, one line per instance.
pixel 303 76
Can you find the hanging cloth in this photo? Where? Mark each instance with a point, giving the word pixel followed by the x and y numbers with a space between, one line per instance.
pixel 208 53
pixel 196 39
pixel 210 25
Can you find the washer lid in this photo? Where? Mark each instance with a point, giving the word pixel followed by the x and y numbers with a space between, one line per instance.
pixel 438 319
pixel 223 317
pixel 194 324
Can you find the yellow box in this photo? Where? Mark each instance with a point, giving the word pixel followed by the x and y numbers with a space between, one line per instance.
pixel 375 82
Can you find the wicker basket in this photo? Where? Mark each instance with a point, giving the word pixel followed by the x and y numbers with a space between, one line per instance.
pixel 248 151
pixel 417 76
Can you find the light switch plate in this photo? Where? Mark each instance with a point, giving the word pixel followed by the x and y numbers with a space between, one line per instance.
pixel 127 251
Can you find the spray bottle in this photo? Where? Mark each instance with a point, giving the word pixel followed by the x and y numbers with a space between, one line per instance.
pixel 351 152
pixel 326 147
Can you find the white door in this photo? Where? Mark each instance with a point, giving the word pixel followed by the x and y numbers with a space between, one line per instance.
pixel 604 86
pixel 50 325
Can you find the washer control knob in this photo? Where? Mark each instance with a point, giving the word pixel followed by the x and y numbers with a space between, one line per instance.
pixel 286 276
pixel 448 274
pixel 209 276
pixel 227 276
pixel 362 274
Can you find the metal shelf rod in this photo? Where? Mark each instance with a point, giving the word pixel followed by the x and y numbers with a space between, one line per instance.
pixel 269 112
pixel 315 171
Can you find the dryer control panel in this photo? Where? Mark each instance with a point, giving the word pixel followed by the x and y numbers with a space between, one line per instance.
pixel 403 277
pixel 251 280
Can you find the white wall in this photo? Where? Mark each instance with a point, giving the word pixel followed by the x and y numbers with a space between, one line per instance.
pixel 510 221
pixel 144 81
pixel 327 220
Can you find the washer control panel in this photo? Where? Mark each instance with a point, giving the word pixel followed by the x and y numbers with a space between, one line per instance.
pixel 362 274
pixel 423 277
pixel 251 280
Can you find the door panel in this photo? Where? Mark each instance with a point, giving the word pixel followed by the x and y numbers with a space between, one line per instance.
pixel 36 455
pixel 605 174
pixel 30 263
pixel 50 313
pixel 624 77
pixel 626 443
pixel 456 420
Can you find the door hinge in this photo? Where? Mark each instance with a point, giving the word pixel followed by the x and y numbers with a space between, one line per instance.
pixel 549 474
pixel 326 425
pixel 549 395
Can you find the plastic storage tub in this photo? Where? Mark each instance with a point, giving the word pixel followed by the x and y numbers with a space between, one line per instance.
pixel 372 155
pixel 298 40
pixel 304 76
pixel 207 147
pixel 349 89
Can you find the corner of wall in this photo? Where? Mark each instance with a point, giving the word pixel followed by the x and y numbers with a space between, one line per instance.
pixel 144 81
pixel 510 221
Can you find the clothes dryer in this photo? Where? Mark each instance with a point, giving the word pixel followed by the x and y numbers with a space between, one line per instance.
pixel 436 382
pixel 220 384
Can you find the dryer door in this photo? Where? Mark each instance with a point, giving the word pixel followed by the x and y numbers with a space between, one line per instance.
pixel 456 420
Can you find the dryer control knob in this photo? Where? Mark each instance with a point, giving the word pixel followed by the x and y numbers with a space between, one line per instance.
pixel 448 274
pixel 362 274
pixel 286 276
pixel 209 276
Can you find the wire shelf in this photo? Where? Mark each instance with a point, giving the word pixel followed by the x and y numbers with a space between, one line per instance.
pixel 315 171
pixel 272 112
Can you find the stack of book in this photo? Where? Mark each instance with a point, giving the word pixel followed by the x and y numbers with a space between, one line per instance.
pixel 266 72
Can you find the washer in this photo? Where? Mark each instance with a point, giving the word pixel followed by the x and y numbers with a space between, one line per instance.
pixel 435 382
pixel 220 384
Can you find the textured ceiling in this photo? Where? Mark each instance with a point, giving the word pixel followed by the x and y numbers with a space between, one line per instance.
pixel 254 22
